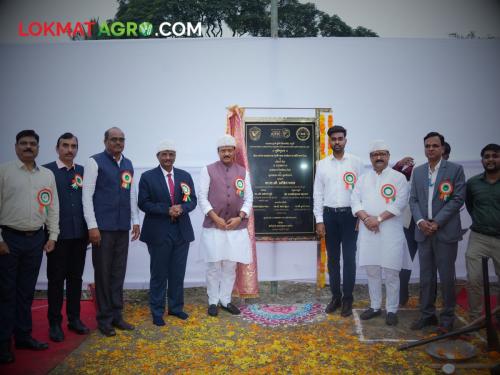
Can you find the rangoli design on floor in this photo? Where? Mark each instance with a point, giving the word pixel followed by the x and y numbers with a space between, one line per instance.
pixel 274 315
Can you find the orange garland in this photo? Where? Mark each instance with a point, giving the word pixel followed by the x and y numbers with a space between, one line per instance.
pixel 321 267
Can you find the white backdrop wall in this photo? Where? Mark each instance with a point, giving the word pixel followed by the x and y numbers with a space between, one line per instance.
pixel 396 89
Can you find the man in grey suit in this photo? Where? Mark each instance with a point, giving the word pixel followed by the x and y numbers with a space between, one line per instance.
pixel 437 193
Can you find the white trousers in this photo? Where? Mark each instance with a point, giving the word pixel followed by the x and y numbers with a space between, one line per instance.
pixel 220 281
pixel 374 274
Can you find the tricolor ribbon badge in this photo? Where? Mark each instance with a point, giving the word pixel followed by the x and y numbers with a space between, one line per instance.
pixel 445 190
pixel 186 191
pixel 239 183
pixel 77 182
pixel 44 198
pixel 349 180
pixel 388 191
pixel 126 179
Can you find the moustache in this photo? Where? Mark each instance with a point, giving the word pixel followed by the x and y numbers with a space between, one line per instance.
pixel 28 150
pixel 379 161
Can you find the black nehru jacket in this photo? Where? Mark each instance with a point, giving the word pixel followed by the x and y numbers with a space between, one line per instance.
pixel 71 221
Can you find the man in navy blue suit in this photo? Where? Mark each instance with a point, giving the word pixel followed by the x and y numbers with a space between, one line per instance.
pixel 166 195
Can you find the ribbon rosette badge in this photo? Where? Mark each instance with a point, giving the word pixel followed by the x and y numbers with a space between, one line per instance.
pixel 77 182
pixel 388 192
pixel 349 180
pixel 44 198
pixel 445 190
pixel 186 191
pixel 239 183
pixel 126 179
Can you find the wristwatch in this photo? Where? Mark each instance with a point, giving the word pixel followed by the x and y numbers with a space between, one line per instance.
pixel 379 219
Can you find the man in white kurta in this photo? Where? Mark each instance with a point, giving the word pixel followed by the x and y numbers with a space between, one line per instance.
pixel 378 200
pixel 225 197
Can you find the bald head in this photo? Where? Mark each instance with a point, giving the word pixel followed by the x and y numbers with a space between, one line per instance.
pixel 114 141
pixel 114 129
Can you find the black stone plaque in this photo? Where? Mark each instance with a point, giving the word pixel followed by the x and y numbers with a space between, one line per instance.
pixel 281 156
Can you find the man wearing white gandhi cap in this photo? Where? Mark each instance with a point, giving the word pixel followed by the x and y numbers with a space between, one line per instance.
pixel 378 200
pixel 226 200
pixel 166 195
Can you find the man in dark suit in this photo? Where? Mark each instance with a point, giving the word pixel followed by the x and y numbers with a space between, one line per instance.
pixel 437 193
pixel 166 195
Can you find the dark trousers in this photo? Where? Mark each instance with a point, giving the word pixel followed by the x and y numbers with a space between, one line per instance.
pixel 405 274
pixel 167 267
pixel 341 233
pixel 110 264
pixel 65 263
pixel 436 255
pixel 18 274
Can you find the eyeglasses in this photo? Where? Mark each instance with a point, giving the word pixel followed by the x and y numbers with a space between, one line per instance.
pixel 379 154
pixel 116 139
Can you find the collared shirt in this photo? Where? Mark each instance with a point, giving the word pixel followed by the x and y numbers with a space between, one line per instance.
pixel 483 203
pixel 432 183
pixel 23 204
pixel 61 165
pixel 91 172
pixel 330 189
pixel 166 173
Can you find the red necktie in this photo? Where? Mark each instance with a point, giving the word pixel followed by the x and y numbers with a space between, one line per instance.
pixel 171 187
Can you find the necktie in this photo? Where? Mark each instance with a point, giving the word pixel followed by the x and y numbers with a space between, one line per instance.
pixel 171 187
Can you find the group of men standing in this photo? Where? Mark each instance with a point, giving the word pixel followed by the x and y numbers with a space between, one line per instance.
pixel 61 207
pixel 395 217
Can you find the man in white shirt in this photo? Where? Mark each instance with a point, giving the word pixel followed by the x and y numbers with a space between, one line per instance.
pixel 109 206
pixel 378 200
pixel 226 199
pixel 336 177
pixel 28 202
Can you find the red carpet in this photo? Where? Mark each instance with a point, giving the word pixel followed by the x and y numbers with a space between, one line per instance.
pixel 36 363
pixel 462 300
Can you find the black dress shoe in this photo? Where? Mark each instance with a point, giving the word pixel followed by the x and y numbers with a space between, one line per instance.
pixel 370 313
pixel 181 315
pixel 56 334
pixel 230 308
pixel 31 344
pixel 78 327
pixel 107 331
pixel 6 355
pixel 123 325
pixel 158 321
pixel 346 309
pixel 212 310
pixel 333 305
pixel 391 319
pixel 424 322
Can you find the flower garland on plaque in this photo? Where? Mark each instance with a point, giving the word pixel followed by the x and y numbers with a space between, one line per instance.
pixel 324 150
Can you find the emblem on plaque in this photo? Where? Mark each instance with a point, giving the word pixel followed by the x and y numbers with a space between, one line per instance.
pixel 303 134
pixel 254 133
